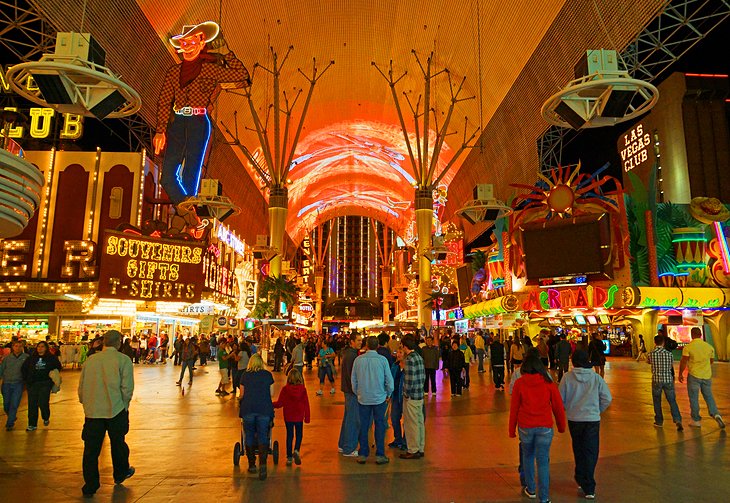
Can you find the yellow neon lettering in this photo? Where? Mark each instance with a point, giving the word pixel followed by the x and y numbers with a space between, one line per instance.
pixel 17 131
pixel 73 127
pixel 40 122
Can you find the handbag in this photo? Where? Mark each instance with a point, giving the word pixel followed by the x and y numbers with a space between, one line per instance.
pixel 55 376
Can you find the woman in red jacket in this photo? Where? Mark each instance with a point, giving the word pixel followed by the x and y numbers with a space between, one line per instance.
pixel 535 400
pixel 293 398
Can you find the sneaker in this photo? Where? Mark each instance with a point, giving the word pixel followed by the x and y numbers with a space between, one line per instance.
pixel 382 460
pixel 658 425
pixel 332 391
pixel 224 393
pixel 719 420
pixel 339 449
pixel 590 496
pixel 217 392
pixel 9 427
pixel 680 427
pixel 394 445
pixel 696 424
pixel 352 454
pixel 297 457
pixel 178 383
pixel 319 393
pixel 46 422
pixel 31 428
pixel 410 455
pixel 361 460
pixel 289 461
pixel 530 495
pixel 129 474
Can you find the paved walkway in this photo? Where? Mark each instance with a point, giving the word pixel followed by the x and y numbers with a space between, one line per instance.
pixel 182 449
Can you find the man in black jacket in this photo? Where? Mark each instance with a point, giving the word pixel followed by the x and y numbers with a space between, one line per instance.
pixel 430 355
pixel 350 428
pixel 496 350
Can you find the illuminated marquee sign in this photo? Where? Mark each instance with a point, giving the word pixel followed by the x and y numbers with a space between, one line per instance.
pixel 217 277
pixel 140 268
pixel 16 258
pixel 306 264
pixel 635 148
pixel 690 298
pixel 229 238
pixel 567 298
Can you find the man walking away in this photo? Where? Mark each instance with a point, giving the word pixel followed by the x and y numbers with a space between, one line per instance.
pixel 699 357
pixel 662 379
pixel 11 373
pixel 497 362
pixel 372 382
pixel 413 420
pixel 585 396
pixel 350 428
pixel 562 353
pixel 105 390
pixel 431 364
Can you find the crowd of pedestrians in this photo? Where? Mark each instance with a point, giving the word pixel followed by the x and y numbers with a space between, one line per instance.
pixel 555 384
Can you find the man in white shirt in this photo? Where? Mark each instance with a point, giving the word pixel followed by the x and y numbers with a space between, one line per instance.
pixel 105 390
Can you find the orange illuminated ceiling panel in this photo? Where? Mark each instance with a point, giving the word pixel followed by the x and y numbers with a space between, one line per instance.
pixel 353 168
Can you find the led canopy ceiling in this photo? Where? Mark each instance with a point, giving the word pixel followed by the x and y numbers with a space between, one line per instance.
pixel 353 168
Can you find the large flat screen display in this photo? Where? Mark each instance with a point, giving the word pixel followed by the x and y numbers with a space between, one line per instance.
pixel 570 247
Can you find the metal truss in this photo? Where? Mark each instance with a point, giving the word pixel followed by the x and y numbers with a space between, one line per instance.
pixel 667 38
pixel 24 32
pixel 26 35
pixel 550 147
pixel 139 133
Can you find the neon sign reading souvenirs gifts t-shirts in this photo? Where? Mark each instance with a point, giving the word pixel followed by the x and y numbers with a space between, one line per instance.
pixel 141 268
pixel 569 298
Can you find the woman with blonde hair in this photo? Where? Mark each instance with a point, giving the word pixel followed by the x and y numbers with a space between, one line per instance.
pixel 257 412
pixel 293 398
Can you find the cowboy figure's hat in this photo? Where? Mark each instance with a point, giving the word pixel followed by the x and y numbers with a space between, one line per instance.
pixel 208 29
pixel 708 210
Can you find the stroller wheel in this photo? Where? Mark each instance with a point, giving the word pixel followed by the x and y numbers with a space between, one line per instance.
pixel 236 453
pixel 275 452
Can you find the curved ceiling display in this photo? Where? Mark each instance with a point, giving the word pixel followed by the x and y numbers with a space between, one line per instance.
pixel 353 168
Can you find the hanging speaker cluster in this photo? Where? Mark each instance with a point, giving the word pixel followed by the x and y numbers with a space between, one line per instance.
pixel 601 95
pixel 74 80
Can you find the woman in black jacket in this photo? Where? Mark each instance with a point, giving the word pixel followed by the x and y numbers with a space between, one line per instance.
pixel 35 371
pixel 456 365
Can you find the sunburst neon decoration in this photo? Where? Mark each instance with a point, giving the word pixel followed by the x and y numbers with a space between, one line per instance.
pixel 565 191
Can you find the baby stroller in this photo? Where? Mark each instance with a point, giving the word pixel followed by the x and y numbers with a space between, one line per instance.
pixel 150 359
pixel 240 448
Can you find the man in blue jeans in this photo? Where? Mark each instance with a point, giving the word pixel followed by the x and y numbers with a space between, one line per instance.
pixel 372 382
pixel 662 380
pixel 12 377
pixel 350 428
pixel 699 357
